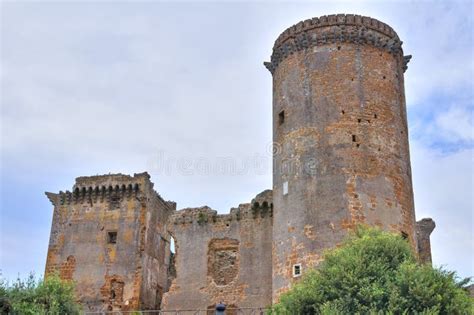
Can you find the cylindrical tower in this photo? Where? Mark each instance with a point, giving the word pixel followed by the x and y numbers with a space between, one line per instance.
pixel 341 153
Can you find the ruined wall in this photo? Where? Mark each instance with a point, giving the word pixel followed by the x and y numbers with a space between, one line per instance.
pixel 340 128
pixel 424 228
pixel 104 237
pixel 222 258
pixel 155 251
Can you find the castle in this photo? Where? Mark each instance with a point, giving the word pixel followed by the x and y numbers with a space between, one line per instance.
pixel 341 158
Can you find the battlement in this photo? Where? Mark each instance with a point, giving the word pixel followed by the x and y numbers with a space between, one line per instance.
pixel 260 207
pixel 330 29
pixel 110 180
pixel 106 187
pixel 265 196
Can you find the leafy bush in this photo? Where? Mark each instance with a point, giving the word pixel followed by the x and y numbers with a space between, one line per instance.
pixel 50 296
pixel 375 272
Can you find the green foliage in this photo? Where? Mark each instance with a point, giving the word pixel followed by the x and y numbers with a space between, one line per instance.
pixel 202 218
pixel 375 272
pixel 50 296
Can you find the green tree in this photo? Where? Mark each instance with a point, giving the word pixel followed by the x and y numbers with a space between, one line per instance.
pixel 375 272
pixel 51 296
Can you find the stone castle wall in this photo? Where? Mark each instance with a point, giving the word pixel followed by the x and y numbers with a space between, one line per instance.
pixel 222 258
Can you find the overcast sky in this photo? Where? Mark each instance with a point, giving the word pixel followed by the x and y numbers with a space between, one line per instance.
pixel 96 87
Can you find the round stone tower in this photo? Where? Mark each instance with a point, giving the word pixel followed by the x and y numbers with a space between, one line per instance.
pixel 340 135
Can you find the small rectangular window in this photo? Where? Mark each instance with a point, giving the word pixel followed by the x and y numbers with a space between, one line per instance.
pixel 281 117
pixel 405 235
pixel 112 237
pixel 285 188
pixel 296 270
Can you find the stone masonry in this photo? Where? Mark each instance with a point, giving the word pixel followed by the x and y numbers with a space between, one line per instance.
pixel 340 127
pixel 341 157
pixel 109 235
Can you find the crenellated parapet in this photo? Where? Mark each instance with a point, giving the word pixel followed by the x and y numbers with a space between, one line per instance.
pixel 262 204
pixel 260 207
pixel 94 193
pixel 194 215
pixel 110 179
pixel 106 188
pixel 333 29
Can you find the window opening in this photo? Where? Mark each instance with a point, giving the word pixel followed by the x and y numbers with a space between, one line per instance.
pixel 112 237
pixel 297 270
pixel 285 188
pixel 281 117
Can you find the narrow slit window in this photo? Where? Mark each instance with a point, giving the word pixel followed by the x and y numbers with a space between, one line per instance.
pixel 112 237
pixel 281 117
pixel 285 188
pixel 354 139
pixel 296 270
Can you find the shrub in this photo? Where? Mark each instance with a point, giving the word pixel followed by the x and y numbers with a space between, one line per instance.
pixel 50 296
pixel 375 272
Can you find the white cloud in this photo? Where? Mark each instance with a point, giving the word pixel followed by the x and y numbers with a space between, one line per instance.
pixel 439 36
pixel 443 187
pixel 456 124
pixel 449 126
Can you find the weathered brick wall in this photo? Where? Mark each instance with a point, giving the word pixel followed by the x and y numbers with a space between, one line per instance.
pixel 109 275
pixel 341 137
pixel 222 258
